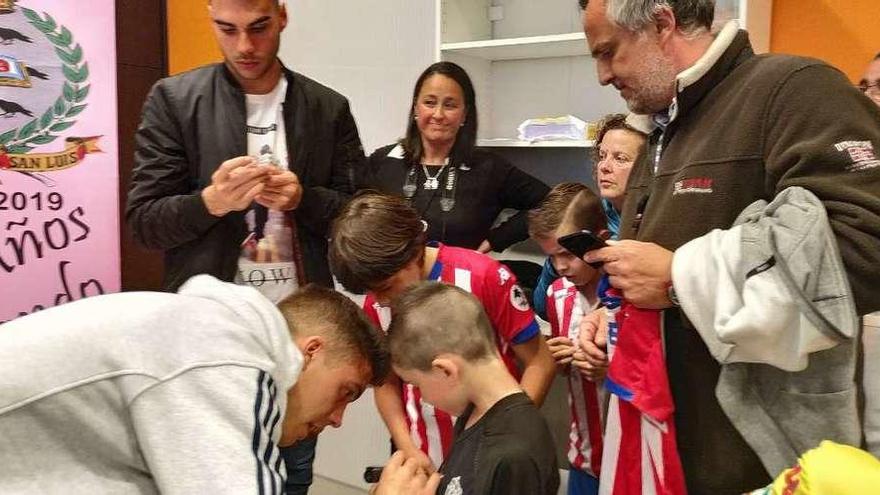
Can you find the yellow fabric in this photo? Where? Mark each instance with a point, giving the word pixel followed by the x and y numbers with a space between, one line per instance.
pixel 830 469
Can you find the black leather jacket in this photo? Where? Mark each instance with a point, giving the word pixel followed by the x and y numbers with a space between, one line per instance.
pixel 192 123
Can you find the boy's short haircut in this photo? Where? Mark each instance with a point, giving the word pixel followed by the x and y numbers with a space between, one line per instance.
pixel 314 310
pixel 568 204
pixel 374 236
pixel 432 319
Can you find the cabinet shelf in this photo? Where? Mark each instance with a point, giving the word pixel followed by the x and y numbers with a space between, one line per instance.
pixel 553 45
pixel 517 143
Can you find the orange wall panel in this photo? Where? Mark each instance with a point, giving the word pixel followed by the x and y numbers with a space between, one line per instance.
pixel 191 41
pixel 844 33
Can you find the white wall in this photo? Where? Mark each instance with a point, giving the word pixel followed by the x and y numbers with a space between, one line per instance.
pixel 371 51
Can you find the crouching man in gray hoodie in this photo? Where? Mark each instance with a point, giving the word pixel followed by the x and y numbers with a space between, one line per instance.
pixel 191 392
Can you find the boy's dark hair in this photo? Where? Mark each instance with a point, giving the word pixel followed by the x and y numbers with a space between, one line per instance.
pixel 374 236
pixel 466 138
pixel 571 204
pixel 430 319
pixel 314 310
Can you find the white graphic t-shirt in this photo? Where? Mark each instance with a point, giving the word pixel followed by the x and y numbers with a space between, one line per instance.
pixel 268 254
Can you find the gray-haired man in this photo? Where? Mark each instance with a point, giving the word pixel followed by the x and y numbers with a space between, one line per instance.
pixel 730 128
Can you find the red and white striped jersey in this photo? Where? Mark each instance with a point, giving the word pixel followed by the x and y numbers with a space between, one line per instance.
pixel 587 400
pixel 508 310
pixel 641 455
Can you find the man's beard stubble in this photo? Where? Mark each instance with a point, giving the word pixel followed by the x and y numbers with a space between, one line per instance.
pixel 656 85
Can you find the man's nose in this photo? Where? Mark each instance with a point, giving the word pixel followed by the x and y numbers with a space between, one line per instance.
pixel 245 45
pixel 336 417
pixel 603 69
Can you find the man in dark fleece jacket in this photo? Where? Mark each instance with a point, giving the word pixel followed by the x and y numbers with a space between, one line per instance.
pixel 729 127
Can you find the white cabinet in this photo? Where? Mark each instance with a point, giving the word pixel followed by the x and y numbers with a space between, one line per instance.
pixel 527 59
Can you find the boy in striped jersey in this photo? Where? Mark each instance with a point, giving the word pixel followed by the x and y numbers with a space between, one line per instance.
pixel 378 246
pixel 194 392
pixel 571 207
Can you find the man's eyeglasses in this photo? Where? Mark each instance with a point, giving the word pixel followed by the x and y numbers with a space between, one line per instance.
pixel 872 90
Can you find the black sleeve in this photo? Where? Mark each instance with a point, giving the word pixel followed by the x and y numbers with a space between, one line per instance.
pixel 824 135
pixel 163 210
pixel 320 204
pixel 520 191
pixel 516 476
pixel 370 176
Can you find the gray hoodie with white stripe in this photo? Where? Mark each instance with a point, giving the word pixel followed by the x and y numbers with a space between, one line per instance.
pixel 146 393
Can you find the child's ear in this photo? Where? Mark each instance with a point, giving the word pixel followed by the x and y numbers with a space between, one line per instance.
pixel 446 367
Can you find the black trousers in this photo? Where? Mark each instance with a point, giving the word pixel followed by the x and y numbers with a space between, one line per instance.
pixel 298 460
pixel 715 457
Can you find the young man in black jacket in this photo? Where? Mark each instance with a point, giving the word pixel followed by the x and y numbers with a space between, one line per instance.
pixel 241 166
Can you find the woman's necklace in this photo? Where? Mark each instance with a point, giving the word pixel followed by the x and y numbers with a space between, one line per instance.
pixel 447 196
pixel 431 181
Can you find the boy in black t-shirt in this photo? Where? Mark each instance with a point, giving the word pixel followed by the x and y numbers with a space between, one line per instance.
pixel 442 342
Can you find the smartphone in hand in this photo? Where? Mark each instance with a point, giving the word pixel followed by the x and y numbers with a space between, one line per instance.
pixel 579 243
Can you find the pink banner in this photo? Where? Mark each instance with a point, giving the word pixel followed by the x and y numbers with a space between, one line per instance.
pixel 59 211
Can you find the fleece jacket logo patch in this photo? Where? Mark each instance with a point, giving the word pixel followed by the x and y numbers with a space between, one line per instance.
pixel 518 298
pixel 696 185
pixel 861 154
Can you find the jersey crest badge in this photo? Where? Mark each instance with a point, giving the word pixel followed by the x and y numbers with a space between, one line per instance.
pixel 518 298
